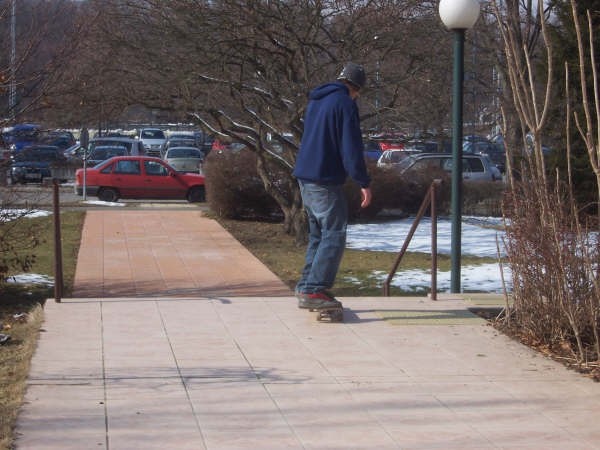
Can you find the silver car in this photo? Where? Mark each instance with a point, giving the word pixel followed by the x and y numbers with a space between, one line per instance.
pixel 185 159
pixel 153 140
pixel 474 167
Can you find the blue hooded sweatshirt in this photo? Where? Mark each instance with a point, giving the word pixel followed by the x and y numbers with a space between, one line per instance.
pixel 331 148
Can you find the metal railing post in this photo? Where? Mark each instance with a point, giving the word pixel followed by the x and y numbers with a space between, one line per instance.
pixel 429 199
pixel 58 269
pixel 433 187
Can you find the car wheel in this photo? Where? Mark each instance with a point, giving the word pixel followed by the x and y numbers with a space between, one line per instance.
pixel 108 195
pixel 196 194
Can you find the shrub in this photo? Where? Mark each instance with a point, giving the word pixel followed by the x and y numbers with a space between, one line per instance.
pixel 233 188
pixel 554 261
pixel 391 191
pixel 235 191
pixel 483 198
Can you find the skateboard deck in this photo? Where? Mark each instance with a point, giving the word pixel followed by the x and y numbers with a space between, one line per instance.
pixel 330 314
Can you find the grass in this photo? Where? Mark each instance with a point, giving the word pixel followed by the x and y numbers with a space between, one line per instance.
pixel 356 276
pixel 21 315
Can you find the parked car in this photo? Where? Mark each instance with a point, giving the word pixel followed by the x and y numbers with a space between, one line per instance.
pixel 207 142
pixel 34 163
pixel 139 177
pixel 372 150
pixel 220 146
pixel 475 167
pixel 184 135
pixel 390 158
pixel 417 145
pixel 134 146
pixel 391 145
pixel 21 136
pixel 153 139
pixel 185 159
pixel 75 153
pixel 178 141
pixel 486 147
pixel 200 140
pixel 59 138
pixel 103 152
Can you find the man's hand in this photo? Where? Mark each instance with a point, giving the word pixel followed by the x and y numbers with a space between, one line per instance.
pixel 366 197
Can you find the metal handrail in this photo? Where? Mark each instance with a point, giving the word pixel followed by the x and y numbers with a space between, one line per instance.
pixel 427 201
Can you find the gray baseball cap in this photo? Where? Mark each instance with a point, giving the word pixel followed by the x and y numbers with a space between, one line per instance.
pixel 354 74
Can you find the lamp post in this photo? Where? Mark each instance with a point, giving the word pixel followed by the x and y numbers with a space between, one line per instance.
pixel 12 93
pixel 458 16
pixel 377 66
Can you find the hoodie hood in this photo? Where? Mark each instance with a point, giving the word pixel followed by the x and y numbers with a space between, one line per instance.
pixel 326 89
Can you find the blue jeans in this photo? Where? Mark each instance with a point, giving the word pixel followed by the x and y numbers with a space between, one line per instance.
pixel 327 220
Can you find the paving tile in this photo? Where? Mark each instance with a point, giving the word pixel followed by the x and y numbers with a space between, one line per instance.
pixel 57 416
pixel 181 339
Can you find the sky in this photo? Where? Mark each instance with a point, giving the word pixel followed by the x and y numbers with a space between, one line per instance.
pixel 478 239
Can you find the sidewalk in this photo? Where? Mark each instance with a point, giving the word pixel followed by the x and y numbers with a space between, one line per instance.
pixel 171 344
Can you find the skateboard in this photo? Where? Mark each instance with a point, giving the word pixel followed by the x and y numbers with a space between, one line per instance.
pixel 330 314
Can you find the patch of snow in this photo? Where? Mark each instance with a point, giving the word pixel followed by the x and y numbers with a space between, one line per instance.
pixel 7 215
pixel 478 238
pixel 31 278
pixel 482 278
pixel 101 203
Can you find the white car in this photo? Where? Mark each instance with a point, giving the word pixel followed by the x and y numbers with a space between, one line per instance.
pixel 153 139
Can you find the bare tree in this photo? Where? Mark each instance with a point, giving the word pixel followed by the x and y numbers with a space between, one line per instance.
pixel 589 129
pixel 520 29
pixel 552 253
pixel 43 35
pixel 589 124
pixel 243 69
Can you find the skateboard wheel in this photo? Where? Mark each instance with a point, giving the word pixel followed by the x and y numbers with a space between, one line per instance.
pixel 332 315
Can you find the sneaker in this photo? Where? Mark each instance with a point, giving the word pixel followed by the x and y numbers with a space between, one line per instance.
pixel 318 300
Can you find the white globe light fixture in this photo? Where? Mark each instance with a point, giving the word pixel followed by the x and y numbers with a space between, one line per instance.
pixel 458 16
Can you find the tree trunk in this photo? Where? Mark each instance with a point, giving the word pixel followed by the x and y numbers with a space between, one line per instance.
pixel 290 201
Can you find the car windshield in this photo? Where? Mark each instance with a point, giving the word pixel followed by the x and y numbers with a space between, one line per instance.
pixel 153 134
pixel 40 154
pixel 180 142
pixel 107 152
pixel 109 142
pixel 396 156
pixel 184 153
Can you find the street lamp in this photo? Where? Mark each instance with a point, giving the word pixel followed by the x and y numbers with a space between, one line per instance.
pixel 378 66
pixel 458 16
pixel 12 92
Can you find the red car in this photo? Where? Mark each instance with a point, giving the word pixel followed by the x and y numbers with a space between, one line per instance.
pixel 138 177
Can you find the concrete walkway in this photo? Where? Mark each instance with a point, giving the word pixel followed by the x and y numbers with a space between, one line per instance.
pixel 181 339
